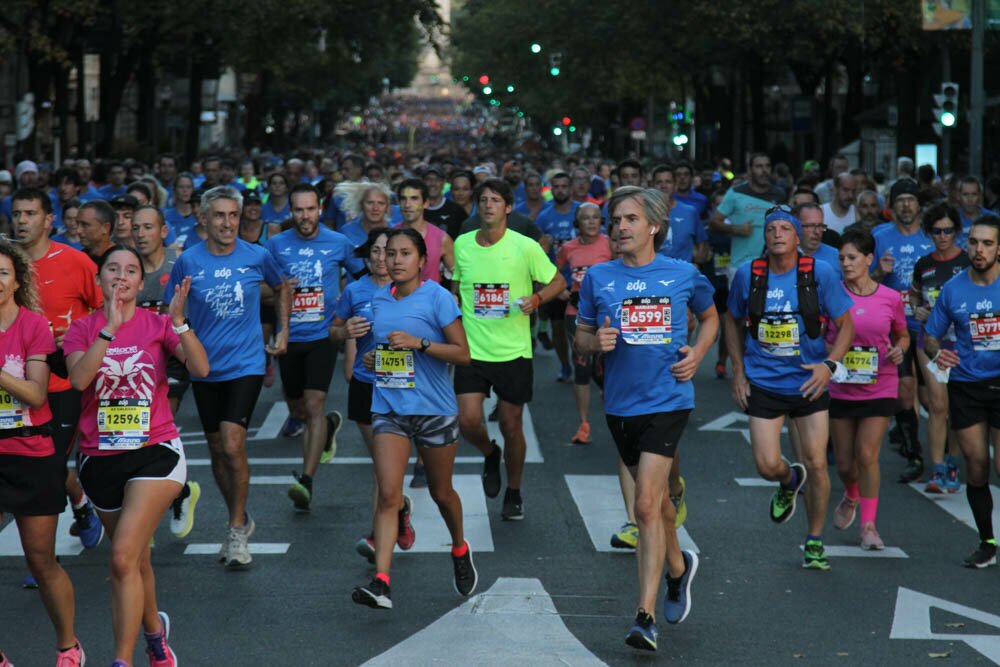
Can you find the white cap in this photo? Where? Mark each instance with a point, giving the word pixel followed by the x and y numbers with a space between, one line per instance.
pixel 5 176
pixel 23 167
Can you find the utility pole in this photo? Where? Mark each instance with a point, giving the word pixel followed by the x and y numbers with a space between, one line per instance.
pixel 977 101
pixel 944 160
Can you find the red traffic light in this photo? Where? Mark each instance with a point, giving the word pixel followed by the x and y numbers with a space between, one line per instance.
pixel 484 79
pixel 566 120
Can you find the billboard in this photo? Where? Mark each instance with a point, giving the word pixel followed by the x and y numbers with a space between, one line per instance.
pixel 956 14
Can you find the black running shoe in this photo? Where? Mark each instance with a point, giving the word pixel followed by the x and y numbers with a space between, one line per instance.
pixel 513 506
pixel 643 633
pixel 374 595
pixel 913 472
pixel 491 472
pixel 984 556
pixel 466 576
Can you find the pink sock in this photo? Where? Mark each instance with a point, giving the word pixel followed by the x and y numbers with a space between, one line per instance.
pixel 869 507
pixel 851 490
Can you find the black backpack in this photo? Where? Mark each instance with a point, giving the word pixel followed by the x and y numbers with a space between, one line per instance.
pixel 808 296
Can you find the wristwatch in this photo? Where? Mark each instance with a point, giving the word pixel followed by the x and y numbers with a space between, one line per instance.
pixel 424 344
pixel 831 364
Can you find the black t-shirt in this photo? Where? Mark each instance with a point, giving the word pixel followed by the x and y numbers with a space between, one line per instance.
pixel 448 216
pixel 930 274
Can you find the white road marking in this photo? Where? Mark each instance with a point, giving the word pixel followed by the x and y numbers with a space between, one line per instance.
pixel 533 453
pixel 515 622
pixel 957 505
pixel 844 551
pixel 912 620
pixel 754 481
pixel 598 498
pixel 272 480
pixel 256 548
pixel 66 544
pixel 432 534
pixel 268 430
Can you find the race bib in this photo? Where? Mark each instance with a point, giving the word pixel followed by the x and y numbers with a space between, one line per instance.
pixel 907 308
pixel 11 412
pixel 122 423
pixel 985 331
pixel 861 364
pixel 779 335
pixel 578 273
pixel 394 368
pixel 307 304
pixel 646 320
pixel 722 262
pixel 491 301
pixel 152 306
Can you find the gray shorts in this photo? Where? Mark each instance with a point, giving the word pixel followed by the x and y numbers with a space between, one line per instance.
pixel 423 430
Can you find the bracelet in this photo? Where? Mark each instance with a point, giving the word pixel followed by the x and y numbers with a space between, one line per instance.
pixel 536 301
pixel 935 357
pixel 105 336
pixel 182 328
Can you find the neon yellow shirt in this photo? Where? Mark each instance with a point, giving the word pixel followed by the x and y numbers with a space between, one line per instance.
pixel 491 280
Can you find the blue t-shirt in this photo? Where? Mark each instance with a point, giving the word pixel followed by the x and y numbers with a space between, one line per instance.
pixel 962 239
pixel 773 359
pixel 355 233
pixel 423 314
pixel 109 192
pixel 906 249
pixel 975 312
pixel 269 214
pixel 683 234
pixel 830 255
pixel 224 305
pixel 61 238
pixel 557 225
pixel 315 263
pixel 649 305
pixel 696 200
pixel 181 226
pixel 356 301
pixel 741 205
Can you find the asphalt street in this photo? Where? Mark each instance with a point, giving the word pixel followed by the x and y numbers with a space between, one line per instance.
pixel 551 590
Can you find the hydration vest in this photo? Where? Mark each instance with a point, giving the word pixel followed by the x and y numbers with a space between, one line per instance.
pixel 805 283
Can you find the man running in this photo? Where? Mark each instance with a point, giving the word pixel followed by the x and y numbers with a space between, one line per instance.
pixel 223 307
pixel 781 366
pixel 634 311
pixel 311 255
pixel 970 301
pixel 494 271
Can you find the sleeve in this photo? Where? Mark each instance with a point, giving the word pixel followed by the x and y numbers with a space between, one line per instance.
pixel 77 337
pixel 561 258
pixel 726 206
pixel 739 293
pixel 918 269
pixel 834 300
pixel 702 293
pixel 586 310
pixel 937 324
pixel 273 274
pixel 879 251
pixel 176 275
pixel 345 304
pixel 39 340
pixel 533 231
pixel 355 266
pixel 541 268
pixel 456 274
pixel 446 309
pixel 898 316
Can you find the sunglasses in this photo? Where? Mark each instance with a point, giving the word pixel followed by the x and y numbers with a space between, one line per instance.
pixel 942 231
pixel 783 208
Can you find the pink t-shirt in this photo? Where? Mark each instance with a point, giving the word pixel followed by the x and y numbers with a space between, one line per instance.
pixel 870 374
pixel 126 407
pixel 28 336
pixel 433 239
pixel 575 257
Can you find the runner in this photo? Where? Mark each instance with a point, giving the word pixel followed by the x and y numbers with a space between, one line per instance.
pixel 648 393
pixel 352 324
pixel 124 206
pixel 966 302
pixel 588 249
pixel 68 291
pixel 131 458
pixel 943 224
pixel 413 197
pixel 418 331
pixel 898 246
pixel 276 208
pixel 311 255
pixel 862 403
pixel 149 233
pixel 32 468
pixel 95 220
pixel 181 216
pixel 367 205
pixel 494 271
pixel 226 273
pixel 779 372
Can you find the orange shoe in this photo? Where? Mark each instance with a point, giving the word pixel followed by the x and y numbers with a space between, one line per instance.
pixel 582 436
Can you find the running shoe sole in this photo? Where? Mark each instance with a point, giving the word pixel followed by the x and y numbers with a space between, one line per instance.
pixel 692 569
pixel 405 539
pixel 333 427
pixel 300 496
pixel 637 639
pixel 791 512
pixel 366 550
pixel 362 595
pixel 192 501
pixel 475 575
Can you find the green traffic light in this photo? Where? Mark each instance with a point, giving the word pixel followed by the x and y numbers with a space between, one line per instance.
pixel 536 48
pixel 487 90
pixel 510 89
pixel 572 128
pixel 948 119
pixel 554 71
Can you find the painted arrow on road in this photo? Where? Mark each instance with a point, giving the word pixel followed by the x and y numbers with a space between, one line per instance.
pixel 912 620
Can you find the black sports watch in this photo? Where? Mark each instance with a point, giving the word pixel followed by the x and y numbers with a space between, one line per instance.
pixel 424 344
pixel 831 364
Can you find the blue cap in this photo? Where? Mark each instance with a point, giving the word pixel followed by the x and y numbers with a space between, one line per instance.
pixel 777 214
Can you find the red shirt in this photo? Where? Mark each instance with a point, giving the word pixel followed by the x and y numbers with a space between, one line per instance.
pixel 575 257
pixel 67 284
pixel 28 336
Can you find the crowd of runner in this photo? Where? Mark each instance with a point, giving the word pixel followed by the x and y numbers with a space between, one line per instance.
pixel 841 304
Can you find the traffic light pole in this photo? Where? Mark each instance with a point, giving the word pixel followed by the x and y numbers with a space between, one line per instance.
pixel 977 97
pixel 944 161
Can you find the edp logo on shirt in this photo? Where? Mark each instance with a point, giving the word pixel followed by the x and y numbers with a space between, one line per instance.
pixel 636 285
pixel 985 304
pixel 223 273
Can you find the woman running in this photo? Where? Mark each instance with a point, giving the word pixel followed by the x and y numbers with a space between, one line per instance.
pixel 943 224
pixel 353 324
pixel 417 333
pixel 32 473
pixel 131 459
pixel 862 402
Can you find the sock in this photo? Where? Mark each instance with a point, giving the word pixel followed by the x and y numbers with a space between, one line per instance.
pixel 383 577
pixel 79 502
pixel 152 636
pixel 794 481
pixel 981 502
pixel 816 538
pixel 306 481
pixel 851 490
pixel 869 508
pixel 512 493
pixel 68 648
pixel 458 552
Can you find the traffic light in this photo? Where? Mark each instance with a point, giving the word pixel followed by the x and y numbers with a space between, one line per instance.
pixel 566 120
pixel 557 131
pixel 555 60
pixel 536 48
pixel 484 79
pixel 487 90
pixel 946 105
